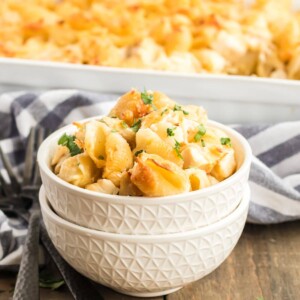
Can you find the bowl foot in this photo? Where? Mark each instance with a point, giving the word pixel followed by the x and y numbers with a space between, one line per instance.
pixel 149 294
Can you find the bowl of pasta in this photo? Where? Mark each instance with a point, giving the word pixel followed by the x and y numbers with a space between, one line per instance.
pixel 150 167
pixel 145 265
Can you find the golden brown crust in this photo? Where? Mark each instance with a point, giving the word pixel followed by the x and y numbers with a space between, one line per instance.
pixel 130 107
pixel 225 167
pixel 161 100
pixel 155 176
pixel 221 37
pixel 142 177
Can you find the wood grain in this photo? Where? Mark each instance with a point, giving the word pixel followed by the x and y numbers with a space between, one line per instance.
pixel 264 265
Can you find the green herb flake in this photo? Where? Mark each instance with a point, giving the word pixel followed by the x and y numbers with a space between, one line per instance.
pixel 138 152
pixel 63 140
pixel 51 284
pixel 124 124
pixel 179 108
pixel 170 131
pixel 102 121
pixel 69 142
pixel 200 133
pixel 202 143
pixel 225 141
pixel 147 98
pixel 101 157
pixel 177 149
pixel 114 131
pixel 136 126
pixel 164 111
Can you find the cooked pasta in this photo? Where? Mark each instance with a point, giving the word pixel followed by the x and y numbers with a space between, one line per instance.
pixel 156 176
pixel 118 157
pixel 103 186
pixel 220 37
pixel 149 145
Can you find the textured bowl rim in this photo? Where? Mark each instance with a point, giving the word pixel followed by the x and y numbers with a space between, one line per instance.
pixel 41 158
pixel 242 208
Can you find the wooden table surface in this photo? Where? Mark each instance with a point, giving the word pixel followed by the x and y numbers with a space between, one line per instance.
pixel 264 265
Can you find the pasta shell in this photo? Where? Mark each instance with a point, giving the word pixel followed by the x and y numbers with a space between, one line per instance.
pixel 60 155
pixel 79 170
pixel 204 158
pixel 212 180
pixel 160 100
pixel 165 115
pixel 130 107
pixel 103 186
pixel 80 133
pixel 225 167
pixel 162 130
pixel 95 138
pixel 213 136
pixel 189 128
pixel 198 179
pixel 155 176
pixel 118 157
pixel 150 142
pixel 195 113
pixel 127 188
pixel 121 126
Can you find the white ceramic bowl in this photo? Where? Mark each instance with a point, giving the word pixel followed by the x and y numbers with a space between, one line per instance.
pixel 144 215
pixel 145 265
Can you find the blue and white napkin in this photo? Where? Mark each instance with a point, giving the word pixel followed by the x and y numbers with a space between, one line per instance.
pixel 274 177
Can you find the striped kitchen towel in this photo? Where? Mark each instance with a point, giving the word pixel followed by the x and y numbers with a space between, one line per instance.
pixel 274 176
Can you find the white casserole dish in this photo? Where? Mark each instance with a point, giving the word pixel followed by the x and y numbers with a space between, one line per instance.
pixel 228 99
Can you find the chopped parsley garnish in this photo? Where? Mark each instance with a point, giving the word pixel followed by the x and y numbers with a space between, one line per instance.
pixel 225 141
pixel 138 152
pixel 51 284
pixel 101 157
pixel 170 131
pixel 124 124
pixel 177 149
pixel 69 142
pixel 164 111
pixel 114 131
pixel 202 143
pixel 200 133
pixel 147 98
pixel 136 126
pixel 102 121
pixel 179 108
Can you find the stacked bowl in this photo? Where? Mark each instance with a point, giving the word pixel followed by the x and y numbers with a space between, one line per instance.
pixel 145 246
